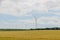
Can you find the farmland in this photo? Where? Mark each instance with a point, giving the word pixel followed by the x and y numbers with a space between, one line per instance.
pixel 30 35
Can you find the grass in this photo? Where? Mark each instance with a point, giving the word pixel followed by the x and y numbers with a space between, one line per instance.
pixel 30 35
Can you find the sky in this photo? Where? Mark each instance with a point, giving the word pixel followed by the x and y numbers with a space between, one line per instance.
pixel 20 14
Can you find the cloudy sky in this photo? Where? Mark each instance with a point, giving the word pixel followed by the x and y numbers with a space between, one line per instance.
pixel 21 13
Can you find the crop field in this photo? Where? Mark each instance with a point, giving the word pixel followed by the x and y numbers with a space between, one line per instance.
pixel 30 35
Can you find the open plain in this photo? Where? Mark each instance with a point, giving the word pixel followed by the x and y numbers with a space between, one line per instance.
pixel 30 35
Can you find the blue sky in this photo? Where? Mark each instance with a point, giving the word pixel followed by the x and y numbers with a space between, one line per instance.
pixel 20 13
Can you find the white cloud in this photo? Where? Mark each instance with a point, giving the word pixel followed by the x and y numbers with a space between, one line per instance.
pixel 49 20
pixel 53 4
pixel 21 7
pixel 30 23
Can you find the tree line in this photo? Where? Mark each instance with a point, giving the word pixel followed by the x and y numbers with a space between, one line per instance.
pixel 54 28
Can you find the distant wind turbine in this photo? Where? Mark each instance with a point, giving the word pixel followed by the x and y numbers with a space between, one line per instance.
pixel 35 18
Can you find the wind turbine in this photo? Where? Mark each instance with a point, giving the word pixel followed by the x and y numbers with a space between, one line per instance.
pixel 35 18
pixel 35 15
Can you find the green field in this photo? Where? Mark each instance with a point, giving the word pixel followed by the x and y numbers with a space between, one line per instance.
pixel 30 35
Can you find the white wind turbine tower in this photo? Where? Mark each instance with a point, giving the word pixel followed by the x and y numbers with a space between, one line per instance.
pixel 35 18
pixel 35 15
